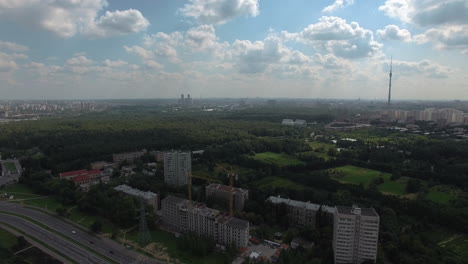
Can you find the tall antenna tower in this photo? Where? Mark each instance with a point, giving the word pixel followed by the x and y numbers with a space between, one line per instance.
pixel 144 236
pixel 390 83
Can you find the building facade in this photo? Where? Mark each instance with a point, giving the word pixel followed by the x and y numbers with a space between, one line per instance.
pixel 177 167
pixel 150 198
pixel 184 216
pixel 223 192
pixel 355 235
pixel 128 156
pixel 299 213
pixel 85 178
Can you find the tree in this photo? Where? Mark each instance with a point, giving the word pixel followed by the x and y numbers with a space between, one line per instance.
pixel 96 227
pixel 413 186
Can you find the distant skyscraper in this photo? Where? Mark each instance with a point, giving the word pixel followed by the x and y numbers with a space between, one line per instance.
pixel 390 83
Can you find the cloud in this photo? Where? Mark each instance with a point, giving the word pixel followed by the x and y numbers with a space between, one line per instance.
pixel 7 63
pixel 80 60
pixel 219 11
pixel 393 32
pixel 446 21
pixel 423 67
pixel 337 5
pixel 66 18
pixel 335 35
pixel 10 46
pixel 114 63
pixel 450 37
pixel 330 61
pixel 141 52
pixel 118 23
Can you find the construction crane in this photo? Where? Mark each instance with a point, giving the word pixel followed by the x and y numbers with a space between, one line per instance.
pixel 231 176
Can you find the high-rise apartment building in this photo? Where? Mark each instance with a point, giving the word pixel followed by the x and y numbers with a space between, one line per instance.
pixel 185 216
pixel 223 192
pixel 177 167
pixel 355 235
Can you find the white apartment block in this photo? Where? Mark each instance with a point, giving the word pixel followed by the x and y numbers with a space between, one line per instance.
pixel 447 115
pixel 355 235
pixel 177 167
pixel 184 216
pixel 299 213
pixel 150 198
pixel 223 192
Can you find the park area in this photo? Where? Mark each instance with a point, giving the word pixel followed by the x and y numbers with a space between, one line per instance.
pixel 278 159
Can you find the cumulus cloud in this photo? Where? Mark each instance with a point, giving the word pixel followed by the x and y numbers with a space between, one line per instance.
pixel 66 18
pixel 114 63
pixel 335 35
pixel 446 21
pixel 7 63
pixel 118 23
pixel 80 60
pixel 337 5
pixel 219 11
pixel 330 61
pixel 393 32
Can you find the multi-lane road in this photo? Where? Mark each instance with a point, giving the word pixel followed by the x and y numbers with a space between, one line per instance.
pixel 80 253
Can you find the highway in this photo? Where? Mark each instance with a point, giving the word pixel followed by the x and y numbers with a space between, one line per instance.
pixel 104 246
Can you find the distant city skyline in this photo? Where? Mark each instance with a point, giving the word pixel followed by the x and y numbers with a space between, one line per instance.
pixel 335 49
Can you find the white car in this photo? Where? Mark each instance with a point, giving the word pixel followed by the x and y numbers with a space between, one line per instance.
pixel 73 232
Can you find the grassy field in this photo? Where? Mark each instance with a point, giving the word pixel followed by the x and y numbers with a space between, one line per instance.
pixel 48 203
pixel 19 191
pixel 167 242
pixel 357 175
pixel 7 239
pixel 277 182
pixel 280 160
pixel 442 194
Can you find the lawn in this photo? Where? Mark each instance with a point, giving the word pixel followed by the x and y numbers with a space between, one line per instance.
pixel 7 239
pixel 442 194
pixel 19 191
pixel 277 182
pixel 279 159
pixel 168 243
pixel 48 203
pixel 356 175
pixel 458 243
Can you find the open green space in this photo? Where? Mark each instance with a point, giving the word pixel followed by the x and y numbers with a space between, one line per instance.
pixel 458 244
pixel 277 182
pixel 443 194
pixel 356 175
pixel 47 203
pixel 167 242
pixel 7 239
pixel 279 159
pixel 19 191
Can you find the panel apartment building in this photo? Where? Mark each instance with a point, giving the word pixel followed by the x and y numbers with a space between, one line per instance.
pixel 150 198
pixel 299 213
pixel 177 167
pixel 128 156
pixel 184 216
pixel 355 235
pixel 223 192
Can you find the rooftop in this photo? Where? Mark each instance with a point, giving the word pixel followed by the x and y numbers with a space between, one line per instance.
pixel 356 211
pixel 225 188
pixel 135 192
pixel 236 223
pixel 294 203
pixel 73 173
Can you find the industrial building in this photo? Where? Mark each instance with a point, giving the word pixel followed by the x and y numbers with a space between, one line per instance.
pixel 184 216
pixel 149 197
pixel 355 235
pixel 223 192
pixel 177 167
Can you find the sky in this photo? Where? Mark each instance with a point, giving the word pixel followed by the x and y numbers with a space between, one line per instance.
pixel 115 49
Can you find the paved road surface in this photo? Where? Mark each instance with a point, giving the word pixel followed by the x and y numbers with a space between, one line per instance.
pixel 106 247
pixel 66 247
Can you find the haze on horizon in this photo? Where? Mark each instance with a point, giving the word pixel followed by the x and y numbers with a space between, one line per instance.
pixel 106 49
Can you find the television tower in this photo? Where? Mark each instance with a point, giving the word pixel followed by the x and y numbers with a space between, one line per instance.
pixel 390 83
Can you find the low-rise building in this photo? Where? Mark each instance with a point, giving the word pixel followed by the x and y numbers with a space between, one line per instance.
pixel 299 213
pixel 85 178
pixel 223 192
pixel 355 235
pixel 185 216
pixel 128 156
pixel 149 197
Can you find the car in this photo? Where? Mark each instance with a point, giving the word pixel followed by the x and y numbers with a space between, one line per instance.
pixel 73 232
pixel 112 252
